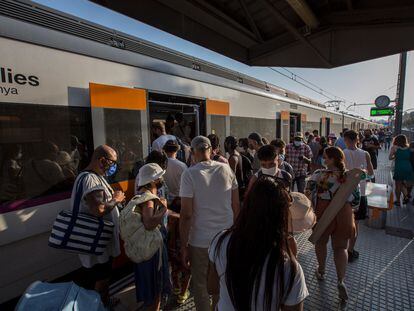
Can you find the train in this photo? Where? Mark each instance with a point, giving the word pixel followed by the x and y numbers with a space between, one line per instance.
pixel 68 85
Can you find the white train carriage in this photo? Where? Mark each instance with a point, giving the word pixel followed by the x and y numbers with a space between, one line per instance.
pixel 67 85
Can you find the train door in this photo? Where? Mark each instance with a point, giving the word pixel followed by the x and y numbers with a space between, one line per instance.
pixel 183 117
pixel 327 126
pixel 294 124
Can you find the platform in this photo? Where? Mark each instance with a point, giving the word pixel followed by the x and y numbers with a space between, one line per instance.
pixel 400 220
pixel 381 279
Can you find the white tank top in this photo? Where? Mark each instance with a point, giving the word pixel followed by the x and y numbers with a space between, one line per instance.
pixel 357 159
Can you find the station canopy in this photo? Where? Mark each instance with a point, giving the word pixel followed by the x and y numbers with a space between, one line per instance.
pixel 291 33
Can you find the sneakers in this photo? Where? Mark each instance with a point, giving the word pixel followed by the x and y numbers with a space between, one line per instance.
pixel 353 255
pixel 183 297
pixel 342 291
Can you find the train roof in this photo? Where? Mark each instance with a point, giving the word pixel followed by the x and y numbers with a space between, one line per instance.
pixel 29 12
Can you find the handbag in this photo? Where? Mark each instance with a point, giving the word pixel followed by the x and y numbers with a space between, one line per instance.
pixel 79 232
pixel 140 244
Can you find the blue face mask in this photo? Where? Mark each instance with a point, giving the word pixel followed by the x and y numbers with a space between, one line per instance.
pixel 111 170
pixel 323 162
pixel 282 157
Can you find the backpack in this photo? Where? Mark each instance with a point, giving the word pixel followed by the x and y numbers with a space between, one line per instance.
pixel 140 244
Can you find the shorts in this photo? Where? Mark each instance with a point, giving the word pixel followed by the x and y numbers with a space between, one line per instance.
pixel 342 227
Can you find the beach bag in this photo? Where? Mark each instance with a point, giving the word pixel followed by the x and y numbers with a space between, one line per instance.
pixel 301 211
pixel 40 296
pixel 140 244
pixel 79 232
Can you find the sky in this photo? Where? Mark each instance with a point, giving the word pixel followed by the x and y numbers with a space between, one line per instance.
pixel 360 82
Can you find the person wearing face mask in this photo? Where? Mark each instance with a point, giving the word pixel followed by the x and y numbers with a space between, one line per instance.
pixel 152 280
pixel 269 166
pixel 255 142
pixel 371 144
pixel 100 200
pixel 280 146
pixel 209 204
pixel 299 155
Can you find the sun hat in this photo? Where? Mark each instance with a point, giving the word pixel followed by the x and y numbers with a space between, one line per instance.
pixel 303 217
pixel 148 173
pixel 200 143
pixel 298 135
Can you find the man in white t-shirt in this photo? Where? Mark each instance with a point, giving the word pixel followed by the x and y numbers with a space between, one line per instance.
pixel 174 170
pixel 158 128
pixel 209 204
pixel 357 158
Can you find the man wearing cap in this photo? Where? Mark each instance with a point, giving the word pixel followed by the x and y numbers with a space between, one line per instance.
pixel 299 155
pixel 209 204
pixel 255 142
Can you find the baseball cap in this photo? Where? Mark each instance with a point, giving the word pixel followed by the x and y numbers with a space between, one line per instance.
pixel 256 137
pixel 200 143
pixel 148 173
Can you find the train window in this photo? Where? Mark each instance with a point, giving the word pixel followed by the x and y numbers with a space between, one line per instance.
pixel 218 127
pixel 42 149
pixel 242 127
pixel 123 133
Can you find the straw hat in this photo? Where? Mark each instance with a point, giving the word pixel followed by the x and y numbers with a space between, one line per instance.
pixel 303 217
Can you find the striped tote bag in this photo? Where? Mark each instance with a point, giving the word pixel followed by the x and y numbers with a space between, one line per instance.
pixel 78 232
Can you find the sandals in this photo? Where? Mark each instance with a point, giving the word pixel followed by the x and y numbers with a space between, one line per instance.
pixel 320 275
pixel 352 255
pixel 342 291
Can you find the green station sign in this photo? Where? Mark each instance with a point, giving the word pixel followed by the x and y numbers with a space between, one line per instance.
pixel 381 112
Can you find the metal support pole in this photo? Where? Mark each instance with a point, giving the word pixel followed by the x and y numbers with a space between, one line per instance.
pixel 400 93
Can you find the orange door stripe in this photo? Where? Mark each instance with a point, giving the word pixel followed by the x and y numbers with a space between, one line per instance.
pixel 217 107
pixel 109 96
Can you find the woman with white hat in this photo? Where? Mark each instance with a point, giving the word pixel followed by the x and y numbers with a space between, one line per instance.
pixel 152 276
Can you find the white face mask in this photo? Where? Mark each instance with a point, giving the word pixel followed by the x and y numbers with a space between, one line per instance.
pixel 269 171
pixel 297 143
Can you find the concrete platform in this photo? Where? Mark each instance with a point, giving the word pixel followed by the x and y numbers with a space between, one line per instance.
pixel 381 279
pixel 400 220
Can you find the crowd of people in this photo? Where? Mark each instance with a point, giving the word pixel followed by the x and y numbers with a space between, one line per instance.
pixel 223 213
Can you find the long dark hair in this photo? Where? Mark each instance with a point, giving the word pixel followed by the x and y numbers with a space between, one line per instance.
pixel 259 235
pixel 400 141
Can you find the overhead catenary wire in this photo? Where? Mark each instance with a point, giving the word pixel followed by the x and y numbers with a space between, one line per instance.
pixel 317 90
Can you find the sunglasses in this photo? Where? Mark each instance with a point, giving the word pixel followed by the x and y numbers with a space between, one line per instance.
pixel 112 162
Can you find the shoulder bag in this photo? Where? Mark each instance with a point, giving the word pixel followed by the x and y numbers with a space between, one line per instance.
pixel 140 244
pixel 80 232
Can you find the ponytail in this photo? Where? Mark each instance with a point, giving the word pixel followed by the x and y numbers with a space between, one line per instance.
pixel 338 156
